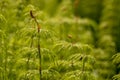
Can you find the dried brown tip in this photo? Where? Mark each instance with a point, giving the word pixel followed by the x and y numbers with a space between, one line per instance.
pixel 70 36
pixel 76 3
pixel 31 14
pixel 38 28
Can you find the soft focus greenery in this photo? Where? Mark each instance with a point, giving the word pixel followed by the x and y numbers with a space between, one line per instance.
pixel 79 39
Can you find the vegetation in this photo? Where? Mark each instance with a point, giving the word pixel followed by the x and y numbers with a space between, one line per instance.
pixel 59 40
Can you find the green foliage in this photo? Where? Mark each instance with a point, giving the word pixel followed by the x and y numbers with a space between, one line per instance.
pixel 116 77
pixel 110 22
pixel 71 47
pixel 116 61
pixel 2 18
pixel 85 8
pixel 116 58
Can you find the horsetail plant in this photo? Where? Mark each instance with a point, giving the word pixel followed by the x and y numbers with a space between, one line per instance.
pixel 38 45
pixel 76 42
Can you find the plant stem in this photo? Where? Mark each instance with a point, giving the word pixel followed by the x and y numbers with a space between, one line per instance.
pixel 6 64
pixel 38 45
pixel 83 65
pixel 39 54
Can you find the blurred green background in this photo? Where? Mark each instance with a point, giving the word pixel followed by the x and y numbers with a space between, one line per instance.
pixel 65 24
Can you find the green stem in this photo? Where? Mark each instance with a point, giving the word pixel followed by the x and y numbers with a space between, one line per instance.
pixel 6 58
pixel 39 52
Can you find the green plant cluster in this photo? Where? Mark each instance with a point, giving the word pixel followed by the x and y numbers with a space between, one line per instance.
pixel 78 40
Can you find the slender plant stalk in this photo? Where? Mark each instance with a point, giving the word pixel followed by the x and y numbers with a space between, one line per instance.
pixel 6 64
pixel 28 60
pixel 38 46
pixel 83 65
